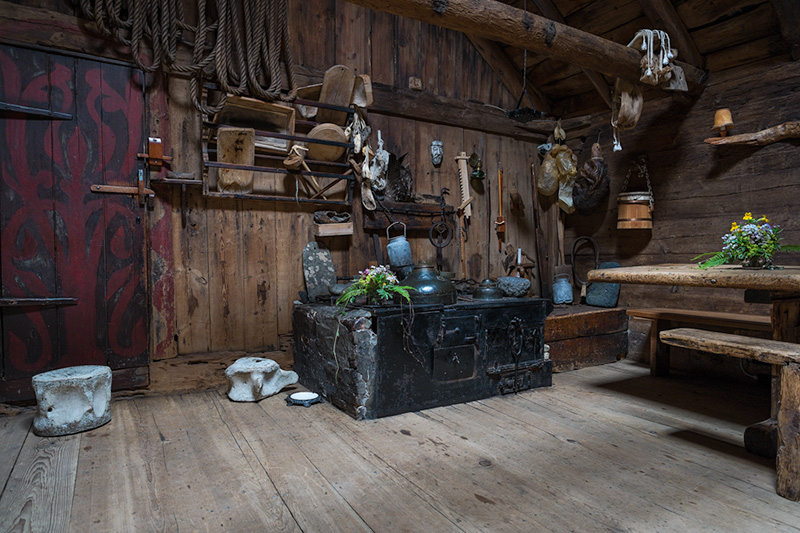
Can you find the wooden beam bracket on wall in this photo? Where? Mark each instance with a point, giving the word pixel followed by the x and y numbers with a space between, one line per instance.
pixel 788 130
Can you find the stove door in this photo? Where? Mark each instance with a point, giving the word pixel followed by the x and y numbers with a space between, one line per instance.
pixel 457 348
pixel 454 362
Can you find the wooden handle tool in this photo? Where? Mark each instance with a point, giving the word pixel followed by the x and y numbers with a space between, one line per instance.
pixel 543 259
pixel 500 224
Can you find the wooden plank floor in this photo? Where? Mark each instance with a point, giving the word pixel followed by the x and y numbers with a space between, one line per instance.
pixel 605 449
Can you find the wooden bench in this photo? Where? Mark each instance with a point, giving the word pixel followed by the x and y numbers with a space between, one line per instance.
pixel 785 357
pixel 661 319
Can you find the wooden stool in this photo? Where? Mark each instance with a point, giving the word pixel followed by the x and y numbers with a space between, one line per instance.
pixel 73 399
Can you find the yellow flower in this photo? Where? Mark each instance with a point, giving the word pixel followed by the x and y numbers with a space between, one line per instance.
pixel 748 216
pixel 734 226
pixel 765 219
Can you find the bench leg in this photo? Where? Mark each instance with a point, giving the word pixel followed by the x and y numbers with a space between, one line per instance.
pixel 788 462
pixel 659 352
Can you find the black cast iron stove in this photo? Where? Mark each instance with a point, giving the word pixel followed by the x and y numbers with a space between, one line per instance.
pixel 389 360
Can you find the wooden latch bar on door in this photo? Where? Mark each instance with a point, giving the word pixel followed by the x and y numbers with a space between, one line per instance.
pixel 140 190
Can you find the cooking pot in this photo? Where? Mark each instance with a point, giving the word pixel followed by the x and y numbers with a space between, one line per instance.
pixel 429 288
pixel 487 290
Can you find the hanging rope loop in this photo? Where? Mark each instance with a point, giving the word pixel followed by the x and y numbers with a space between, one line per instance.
pixel 250 38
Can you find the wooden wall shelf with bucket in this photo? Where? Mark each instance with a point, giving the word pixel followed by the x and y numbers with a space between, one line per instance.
pixel 635 209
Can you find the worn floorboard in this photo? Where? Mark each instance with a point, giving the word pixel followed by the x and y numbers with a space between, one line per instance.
pixel 13 430
pixel 605 449
pixel 38 494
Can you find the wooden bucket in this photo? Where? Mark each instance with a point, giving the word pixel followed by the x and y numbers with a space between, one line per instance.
pixel 633 210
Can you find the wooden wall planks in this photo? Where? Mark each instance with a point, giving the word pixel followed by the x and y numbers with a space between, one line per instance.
pixel 699 189
pixel 224 302
pixel 238 263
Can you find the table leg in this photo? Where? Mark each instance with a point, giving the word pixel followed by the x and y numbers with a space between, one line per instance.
pixel 785 319
pixel 788 461
pixel 659 352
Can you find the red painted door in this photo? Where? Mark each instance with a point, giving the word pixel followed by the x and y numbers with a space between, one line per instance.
pixel 58 238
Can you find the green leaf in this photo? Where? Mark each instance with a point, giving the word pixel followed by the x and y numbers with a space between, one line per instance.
pixel 719 259
pixel 401 291
pixel 703 255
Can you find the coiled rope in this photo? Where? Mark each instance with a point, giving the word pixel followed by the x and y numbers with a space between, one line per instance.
pixel 250 37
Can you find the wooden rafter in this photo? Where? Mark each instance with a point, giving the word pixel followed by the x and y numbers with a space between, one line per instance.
pixel 663 16
pixel 550 11
pixel 500 22
pixel 429 107
pixel 788 15
pixel 508 73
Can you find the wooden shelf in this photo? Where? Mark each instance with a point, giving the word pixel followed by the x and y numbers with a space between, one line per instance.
pixel 313 189
pixel 416 216
pixel 787 130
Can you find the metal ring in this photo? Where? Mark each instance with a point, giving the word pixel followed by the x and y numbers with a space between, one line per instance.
pixel 575 246
pixel 447 234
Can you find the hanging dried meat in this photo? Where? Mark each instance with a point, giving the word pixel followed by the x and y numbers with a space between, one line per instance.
pixel 558 171
pixel 592 183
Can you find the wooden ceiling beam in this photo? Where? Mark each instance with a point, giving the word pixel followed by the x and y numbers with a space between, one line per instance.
pixel 428 107
pixel 550 11
pixel 500 22
pixel 788 15
pixel 664 17
pixel 507 72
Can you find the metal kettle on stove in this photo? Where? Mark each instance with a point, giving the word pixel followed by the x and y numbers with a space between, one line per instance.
pixel 429 288
pixel 399 251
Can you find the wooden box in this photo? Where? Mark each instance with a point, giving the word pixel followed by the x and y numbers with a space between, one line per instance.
pixel 333 230
pixel 581 336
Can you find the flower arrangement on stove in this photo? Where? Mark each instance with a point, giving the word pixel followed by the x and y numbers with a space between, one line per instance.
pixel 378 284
pixel 752 242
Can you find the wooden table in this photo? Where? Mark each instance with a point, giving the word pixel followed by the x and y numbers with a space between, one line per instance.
pixel 780 287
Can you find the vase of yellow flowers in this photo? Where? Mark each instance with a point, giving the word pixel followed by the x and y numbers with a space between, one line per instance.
pixel 751 242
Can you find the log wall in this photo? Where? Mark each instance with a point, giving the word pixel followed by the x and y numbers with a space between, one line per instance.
pixel 700 189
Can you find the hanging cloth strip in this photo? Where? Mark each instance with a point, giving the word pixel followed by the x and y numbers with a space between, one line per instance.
pixel 626 108
pixel 251 38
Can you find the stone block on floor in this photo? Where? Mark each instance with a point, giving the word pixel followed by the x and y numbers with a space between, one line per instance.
pixel 73 399
pixel 255 378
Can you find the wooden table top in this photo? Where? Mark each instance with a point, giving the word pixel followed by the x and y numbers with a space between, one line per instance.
pixel 783 279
